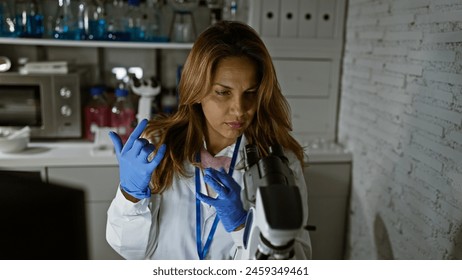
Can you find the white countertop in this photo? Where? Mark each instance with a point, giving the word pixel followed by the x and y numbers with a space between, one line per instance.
pixel 81 153
pixel 59 154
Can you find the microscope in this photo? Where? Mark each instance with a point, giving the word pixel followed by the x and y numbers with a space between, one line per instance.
pixel 147 90
pixel 275 216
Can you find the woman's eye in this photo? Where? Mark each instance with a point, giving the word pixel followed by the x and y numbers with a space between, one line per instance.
pixel 222 92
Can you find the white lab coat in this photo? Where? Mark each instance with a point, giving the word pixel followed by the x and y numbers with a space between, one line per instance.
pixel 164 226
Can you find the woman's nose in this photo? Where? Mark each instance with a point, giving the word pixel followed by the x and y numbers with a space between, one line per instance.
pixel 237 106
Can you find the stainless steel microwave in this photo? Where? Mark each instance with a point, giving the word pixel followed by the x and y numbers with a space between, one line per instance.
pixel 50 104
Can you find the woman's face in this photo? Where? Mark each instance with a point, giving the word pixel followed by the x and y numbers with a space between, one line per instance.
pixel 231 103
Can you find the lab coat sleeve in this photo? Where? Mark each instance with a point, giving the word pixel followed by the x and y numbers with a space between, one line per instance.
pixel 303 241
pixel 128 226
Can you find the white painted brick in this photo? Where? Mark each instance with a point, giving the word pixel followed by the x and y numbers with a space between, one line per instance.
pixel 412 69
pixel 397 96
pixel 351 36
pixel 387 108
pixel 430 92
pixel 415 226
pixel 438 112
pixel 403 36
pixel 435 4
pixel 423 158
pixel 405 165
pixel 347 60
pixel 421 204
pixel 370 34
pixel 364 74
pixel 358 2
pixel 371 63
pixel 397 19
pixel 446 16
pixel 448 56
pixel 361 87
pixel 365 113
pixel 443 77
pixel 423 125
pixel 394 51
pixel 389 80
pixel 447 37
pixel 374 9
pixel 456 178
pixel 409 4
pixel 426 191
pixel 381 136
pixel 359 48
pixel 434 180
pixel 391 128
pixel 388 166
pixel 443 224
pixel 452 200
pixel 362 22
pixel 442 150
pixel 455 136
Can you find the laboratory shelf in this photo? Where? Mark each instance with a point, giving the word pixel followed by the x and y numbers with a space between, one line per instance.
pixel 95 44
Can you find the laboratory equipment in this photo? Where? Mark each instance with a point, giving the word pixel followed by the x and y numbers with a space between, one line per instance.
pixel 275 217
pixel 147 90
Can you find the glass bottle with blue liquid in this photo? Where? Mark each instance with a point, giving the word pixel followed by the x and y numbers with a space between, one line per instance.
pixel 7 21
pixel 154 22
pixel 116 23
pixel 96 20
pixel 65 23
pixel 135 21
pixel 28 19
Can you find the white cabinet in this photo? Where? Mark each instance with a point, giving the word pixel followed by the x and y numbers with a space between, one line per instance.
pixel 305 40
pixel 100 184
pixel 289 18
pixel 270 18
pixel 307 18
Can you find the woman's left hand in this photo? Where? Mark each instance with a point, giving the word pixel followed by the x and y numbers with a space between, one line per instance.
pixel 228 203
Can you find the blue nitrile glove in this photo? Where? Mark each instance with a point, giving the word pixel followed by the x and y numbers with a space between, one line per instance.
pixel 228 203
pixel 134 168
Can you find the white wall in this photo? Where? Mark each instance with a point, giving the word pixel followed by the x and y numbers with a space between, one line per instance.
pixel 401 115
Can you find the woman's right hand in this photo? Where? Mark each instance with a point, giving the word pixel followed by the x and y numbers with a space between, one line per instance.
pixel 134 168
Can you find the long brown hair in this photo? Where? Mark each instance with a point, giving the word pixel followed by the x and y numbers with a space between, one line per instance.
pixel 183 132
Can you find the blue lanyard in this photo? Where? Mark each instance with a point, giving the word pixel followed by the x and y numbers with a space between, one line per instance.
pixel 202 252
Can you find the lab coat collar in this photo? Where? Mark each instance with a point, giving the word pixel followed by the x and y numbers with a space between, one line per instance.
pixel 227 151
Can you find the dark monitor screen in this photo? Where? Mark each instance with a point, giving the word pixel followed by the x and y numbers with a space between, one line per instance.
pixel 41 221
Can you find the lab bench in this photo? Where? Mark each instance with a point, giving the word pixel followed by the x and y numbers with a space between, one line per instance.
pixel 95 170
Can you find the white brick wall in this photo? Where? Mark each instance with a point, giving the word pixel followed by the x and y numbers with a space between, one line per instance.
pixel 401 115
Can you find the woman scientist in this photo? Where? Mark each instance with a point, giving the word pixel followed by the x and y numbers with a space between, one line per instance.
pixel 172 206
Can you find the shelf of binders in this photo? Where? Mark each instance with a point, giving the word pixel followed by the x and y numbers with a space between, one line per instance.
pixel 95 44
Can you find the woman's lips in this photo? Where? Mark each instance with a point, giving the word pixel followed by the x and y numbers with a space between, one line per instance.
pixel 235 125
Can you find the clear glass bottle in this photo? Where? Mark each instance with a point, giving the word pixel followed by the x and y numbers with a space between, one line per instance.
pixel 216 7
pixel 96 20
pixel 154 26
pixel 65 25
pixel 97 112
pixel 135 21
pixel 7 22
pixel 230 10
pixel 235 10
pixel 123 117
pixel 115 22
